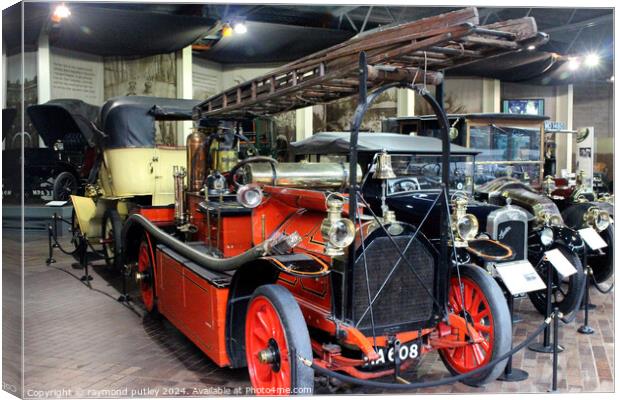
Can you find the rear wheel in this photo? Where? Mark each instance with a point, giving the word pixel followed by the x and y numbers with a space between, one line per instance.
pixel 145 278
pixel 111 234
pixel 65 185
pixel 482 303
pixel 566 292
pixel 603 264
pixel 275 331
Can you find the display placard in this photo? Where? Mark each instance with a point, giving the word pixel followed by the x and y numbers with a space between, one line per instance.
pixel 560 263
pixel 592 238
pixel 519 277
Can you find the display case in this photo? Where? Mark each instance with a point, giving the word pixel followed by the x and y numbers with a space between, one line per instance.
pixel 509 144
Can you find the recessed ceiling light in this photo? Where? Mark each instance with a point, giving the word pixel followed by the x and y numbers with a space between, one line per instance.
pixel 592 60
pixel 60 12
pixel 240 28
pixel 573 63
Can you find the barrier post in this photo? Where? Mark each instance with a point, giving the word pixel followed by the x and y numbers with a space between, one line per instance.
pixel 586 299
pixel 125 297
pixel 512 374
pixel 586 329
pixel 545 346
pixel 84 261
pixel 50 257
pixel 556 345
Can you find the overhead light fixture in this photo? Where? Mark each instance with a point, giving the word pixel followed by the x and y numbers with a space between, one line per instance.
pixel 592 60
pixel 60 12
pixel 240 28
pixel 574 63
pixel 531 47
pixel 227 30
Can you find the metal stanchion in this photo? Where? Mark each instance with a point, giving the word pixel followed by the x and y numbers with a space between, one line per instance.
pixel 50 234
pixel 586 329
pixel 125 297
pixel 512 374
pixel 545 346
pixel 556 345
pixel 586 299
pixel 84 261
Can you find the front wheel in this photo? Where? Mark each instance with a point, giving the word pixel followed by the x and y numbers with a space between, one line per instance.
pixel 566 292
pixel 275 332
pixel 479 300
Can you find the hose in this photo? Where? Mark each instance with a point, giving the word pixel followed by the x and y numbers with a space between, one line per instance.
pixel 204 260
pixel 420 385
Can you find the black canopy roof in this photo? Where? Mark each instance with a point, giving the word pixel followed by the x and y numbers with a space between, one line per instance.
pixel 129 121
pixel 57 118
pixel 338 143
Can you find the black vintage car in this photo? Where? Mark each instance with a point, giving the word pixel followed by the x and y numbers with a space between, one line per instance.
pixel 60 169
pixel 412 193
pixel 578 209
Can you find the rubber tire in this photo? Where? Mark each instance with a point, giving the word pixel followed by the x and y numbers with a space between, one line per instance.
pixel 603 266
pixel 502 324
pixel 153 312
pixel 576 285
pixel 58 193
pixel 115 263
pixel 296 332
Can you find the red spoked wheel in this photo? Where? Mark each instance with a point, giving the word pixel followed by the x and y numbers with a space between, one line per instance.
pixel 145 278
pixel 275 334
pixel 481 303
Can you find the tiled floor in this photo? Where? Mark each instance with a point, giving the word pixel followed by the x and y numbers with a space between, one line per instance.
pixel 81 342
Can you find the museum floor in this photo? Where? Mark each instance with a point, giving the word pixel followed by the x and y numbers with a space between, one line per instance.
pixel 84 342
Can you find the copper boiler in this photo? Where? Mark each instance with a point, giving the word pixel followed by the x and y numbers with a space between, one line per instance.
pixel 196 160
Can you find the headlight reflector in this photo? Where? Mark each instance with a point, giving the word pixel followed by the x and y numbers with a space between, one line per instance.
pixel 467 227
pixel 250 196
pixel 546 236
pixel 597 218
pixel 341 233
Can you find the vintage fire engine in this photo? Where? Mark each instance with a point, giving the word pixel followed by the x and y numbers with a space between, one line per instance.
pixel 280 266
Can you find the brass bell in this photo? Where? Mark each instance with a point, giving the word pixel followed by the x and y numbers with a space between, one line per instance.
pixel 383 168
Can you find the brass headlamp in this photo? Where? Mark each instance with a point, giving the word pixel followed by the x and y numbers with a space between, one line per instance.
pixel 338 232
pixel 465 226
pixel 597 218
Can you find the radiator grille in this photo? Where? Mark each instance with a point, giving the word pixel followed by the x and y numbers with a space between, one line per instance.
pixel 404 299
pixel 512 233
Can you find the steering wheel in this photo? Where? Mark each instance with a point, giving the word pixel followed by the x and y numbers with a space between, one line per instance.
pixel 406 185
pixel 232 175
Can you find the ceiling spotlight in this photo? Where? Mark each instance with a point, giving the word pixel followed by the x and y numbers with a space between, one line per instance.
pixel 240 28
pixel 227 30
pixel 60 12
pixel 574 63
pixel 592 60
pixel 531 47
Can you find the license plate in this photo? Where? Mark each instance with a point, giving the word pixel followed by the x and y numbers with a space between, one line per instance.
pixel 408 351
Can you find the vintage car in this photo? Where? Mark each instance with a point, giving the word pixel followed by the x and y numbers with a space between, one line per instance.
pixel 509 144
pixel 546 230
pixel 412 195
pixel 582 207
pixel 283 274
pixel 64 166
pixel 133 170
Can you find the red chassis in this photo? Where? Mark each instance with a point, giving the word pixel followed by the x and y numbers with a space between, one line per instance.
pixel 211 307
